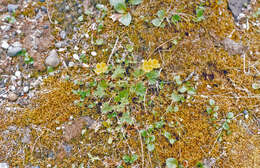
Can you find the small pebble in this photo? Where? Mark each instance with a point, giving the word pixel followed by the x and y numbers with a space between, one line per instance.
pixel 18 74
pixel 12 96
pixel 71 64
pixel 5 45
pixel 53 59
pixel 63 34
pixel 26 89
pixel 94 53
pixel 75 56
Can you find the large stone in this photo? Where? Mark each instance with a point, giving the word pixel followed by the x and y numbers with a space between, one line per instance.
pixel 4 165
pixel 13 51
pixel 12 7
pixel 53 59
pixel 236 6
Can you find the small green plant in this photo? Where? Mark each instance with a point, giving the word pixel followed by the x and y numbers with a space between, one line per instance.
pixel 172 163
pixel 158 22
pixel 120 7
pixel 200 165
pixel 199 14
pixel 130 159
pixel 27 59
pixel 169 137
pixel 149 138
pixel 212 109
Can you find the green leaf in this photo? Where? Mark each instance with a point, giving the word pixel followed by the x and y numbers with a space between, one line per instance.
pixel 143 133
pixel 167 134
pixel 191 91
pixel 200 11
pixel 152 75
pixel 159 124
pixel 171 163
pixel 150 147
pixel 50 69
pixel 183 89
pixel 138 73
pixel 209 110
pixel 178 80
pixel 226 126
pixel 140 89
pixel 157 22
pixel 135 2
pixel 161 14
pixel 176 109
pixel 230 115
pixel 119 72
pixel 106 108
pixel 175 18
pixel 126 158
pixel 126 19
pixel 101 7
pixel 130 47
pixel 99 92
pixel 169 109
pixel 175 97
pixel 172 141
pixel 133 158
pixel 115 2
pixel 126 118
pixel 120 7
pixel 99 42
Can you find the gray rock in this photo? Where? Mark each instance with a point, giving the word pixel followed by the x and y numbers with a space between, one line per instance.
pixel 60 44
pixel 53 59
pixel 12 7
pixel 233 47
pixel 27 137
pixel 13 51
pixel 4 165
pixel 236 6
pixel 63 34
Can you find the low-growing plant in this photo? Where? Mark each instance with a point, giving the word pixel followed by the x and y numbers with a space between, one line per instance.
pixel 120 7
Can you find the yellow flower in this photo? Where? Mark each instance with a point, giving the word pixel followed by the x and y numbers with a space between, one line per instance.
pixel 154 63
pixel 150 65
pixel 147 67
pixel 101 68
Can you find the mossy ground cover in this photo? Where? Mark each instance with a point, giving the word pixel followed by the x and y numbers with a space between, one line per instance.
pixel 185 48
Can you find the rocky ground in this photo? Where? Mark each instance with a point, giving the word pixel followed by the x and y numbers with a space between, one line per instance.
pixel 44 43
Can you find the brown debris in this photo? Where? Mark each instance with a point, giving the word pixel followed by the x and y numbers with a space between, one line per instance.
pixel 74 129
pixel 232 47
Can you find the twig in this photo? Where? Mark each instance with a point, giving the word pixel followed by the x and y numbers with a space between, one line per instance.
pixel 113 50
pixel 48 12
pixel 142 147
pixel 160 46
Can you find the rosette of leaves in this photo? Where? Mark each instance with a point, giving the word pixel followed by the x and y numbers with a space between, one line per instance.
pixel 120 7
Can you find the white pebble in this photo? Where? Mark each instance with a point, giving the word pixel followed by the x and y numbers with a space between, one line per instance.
pixel 86 36
pixel 75 56
pixel 4 165
pixel 94 53
pixel 18 74
pixel 76 48
pixel 85 65
pixel 26 89
pixel 12 88
pixel 71 64
pixel 4 45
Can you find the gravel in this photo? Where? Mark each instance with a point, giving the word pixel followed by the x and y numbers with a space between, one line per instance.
pixel 12 96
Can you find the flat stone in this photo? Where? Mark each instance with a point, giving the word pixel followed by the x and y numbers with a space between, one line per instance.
pixel 60 44
pixel 236 6
pixel 13 51
pixel 12 7
pixel 53 59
